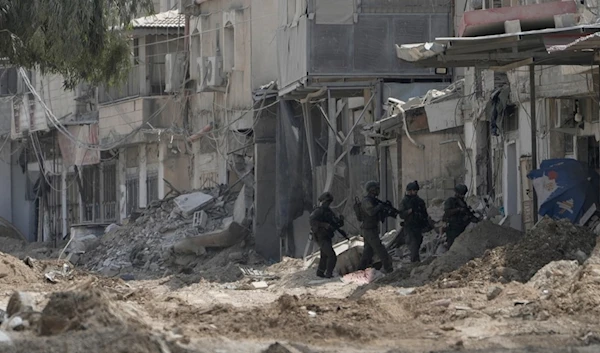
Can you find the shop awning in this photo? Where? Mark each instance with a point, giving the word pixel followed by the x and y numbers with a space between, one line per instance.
pixel 552 46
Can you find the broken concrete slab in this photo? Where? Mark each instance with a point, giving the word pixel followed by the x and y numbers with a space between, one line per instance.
pixel 260 285
pixel 200 219
pixel 231 234
pixel 19 302
pixel 242 207
pixel 190 203
pixel 82 243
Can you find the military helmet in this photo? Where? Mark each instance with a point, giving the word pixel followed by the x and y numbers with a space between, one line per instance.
pixel 326 196
pixel 371 185
pixel 461 189
pixel 414 186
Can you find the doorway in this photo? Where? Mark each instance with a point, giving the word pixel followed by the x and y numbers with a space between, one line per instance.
pixel 511 203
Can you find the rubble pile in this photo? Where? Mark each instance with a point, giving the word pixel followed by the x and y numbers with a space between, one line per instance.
pixel 548 241
pixel 76 321
pixel 14 271
pixel 172 232
pixel 472 244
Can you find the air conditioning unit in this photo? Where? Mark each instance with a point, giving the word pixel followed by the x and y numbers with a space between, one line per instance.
pixel 210 73
pixel 174 75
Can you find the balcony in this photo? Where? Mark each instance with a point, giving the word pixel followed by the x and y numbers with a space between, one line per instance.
pixel 329 42
pixel 121 118
pixel 128 89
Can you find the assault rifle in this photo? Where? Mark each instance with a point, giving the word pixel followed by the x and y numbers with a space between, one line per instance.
pixel 337 223
pixel 388 210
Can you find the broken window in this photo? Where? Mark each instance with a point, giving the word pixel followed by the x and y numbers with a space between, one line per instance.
pixel 152 185
pixel 132 185
pixel 569 146
pixel 109 194
pixel 511 118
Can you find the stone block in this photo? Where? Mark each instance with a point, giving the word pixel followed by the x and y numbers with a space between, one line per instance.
pixel 231 234
pixel 242 206
pixel 19 302
pixel 190 203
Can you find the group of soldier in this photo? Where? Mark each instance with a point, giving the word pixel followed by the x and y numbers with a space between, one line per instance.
pixel 371 211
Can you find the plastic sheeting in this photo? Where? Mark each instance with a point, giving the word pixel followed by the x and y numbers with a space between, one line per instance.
pixel 566 188
pixel 294 176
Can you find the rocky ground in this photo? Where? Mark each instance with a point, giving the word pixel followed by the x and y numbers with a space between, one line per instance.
pixel 496 290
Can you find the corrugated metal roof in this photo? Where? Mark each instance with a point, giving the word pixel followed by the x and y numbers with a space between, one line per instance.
pixel 169 19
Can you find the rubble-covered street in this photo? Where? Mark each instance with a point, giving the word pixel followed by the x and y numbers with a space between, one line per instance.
pixel 131 290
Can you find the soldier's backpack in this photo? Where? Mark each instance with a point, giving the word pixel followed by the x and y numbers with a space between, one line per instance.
pixel 358 209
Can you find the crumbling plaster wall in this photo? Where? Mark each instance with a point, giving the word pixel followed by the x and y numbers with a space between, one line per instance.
pixel 235 97
pixel 438 167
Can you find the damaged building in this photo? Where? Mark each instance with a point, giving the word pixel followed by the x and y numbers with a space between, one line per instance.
pixel 531 93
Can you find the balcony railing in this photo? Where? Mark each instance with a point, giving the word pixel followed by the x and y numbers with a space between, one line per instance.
pixel 130 88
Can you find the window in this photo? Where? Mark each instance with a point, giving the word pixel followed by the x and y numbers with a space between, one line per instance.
pixel 132 185
pixel 136 51
pixel 152 185
pixel 511 118
pixel 569 146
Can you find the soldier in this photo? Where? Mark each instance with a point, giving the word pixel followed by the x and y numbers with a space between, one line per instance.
pixel 414 213
pixel 373 213
pixel 322 227
pixel 457 214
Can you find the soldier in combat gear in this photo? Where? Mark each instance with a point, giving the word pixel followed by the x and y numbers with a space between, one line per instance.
pixel 323 225
pixel 414 213
pixel 457 214
pixel 373 212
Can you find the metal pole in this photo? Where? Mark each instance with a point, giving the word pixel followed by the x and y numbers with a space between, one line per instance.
pixel 534 164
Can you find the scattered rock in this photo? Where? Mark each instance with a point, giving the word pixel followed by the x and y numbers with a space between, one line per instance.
pixel 580 256
pixel 16 323
pixel 190 203
pixel 406 291
pixel 19 302
pixel 236 256
pixel 128 277
pixel 76 311
pixel 442 302
pixel 260 285
pixel 111 227
pixel 493 293
pixel 508 273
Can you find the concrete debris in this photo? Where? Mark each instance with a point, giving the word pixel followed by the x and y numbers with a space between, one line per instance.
pixel 112 227
pixel 442 302
pixel 200 219
pixel 493 293
pixel 164 236
pixel 231 234
pixel 242 209
pixel 16 323
pixel 257 274
pixel 260 285
pixel 284 348
pixel 406 291
pixel 520 260
pixel 19 302
pixel 190 203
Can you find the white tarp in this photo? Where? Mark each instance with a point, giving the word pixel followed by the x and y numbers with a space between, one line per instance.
pixel 419 51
